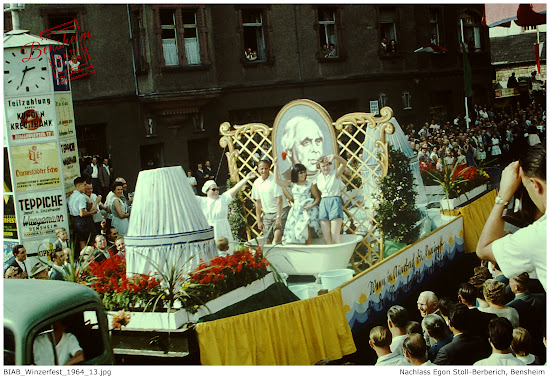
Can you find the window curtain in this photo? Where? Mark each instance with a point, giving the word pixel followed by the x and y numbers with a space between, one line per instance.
pixel 170 51
pixel 192 51
pixel 260 43
pixel 297 333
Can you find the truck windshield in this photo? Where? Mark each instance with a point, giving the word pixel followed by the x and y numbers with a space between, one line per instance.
pixel 9 347
pixel 76 338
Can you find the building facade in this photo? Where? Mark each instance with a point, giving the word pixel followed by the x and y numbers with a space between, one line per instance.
pixel 166 76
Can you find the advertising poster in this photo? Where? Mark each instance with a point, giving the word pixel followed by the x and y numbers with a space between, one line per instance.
pixel 40 213
pixel 30 119
pixel 65 114
pixel 58 60
pixel 7 172
pixel 10 225
pixel 71 166
pixel 8 249
pixel 38 249
pixel 36 167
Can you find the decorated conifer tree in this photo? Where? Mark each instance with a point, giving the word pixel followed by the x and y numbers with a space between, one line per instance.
pixel 396 212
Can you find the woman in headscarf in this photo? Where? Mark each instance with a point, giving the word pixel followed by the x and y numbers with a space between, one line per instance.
pixel 216 207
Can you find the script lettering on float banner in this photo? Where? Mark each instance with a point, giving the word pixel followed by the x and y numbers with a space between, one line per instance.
pixel 36 167
pixel 65 115
pixel 372 293
pixel 40 213
pixel 30 119
pixel 71 166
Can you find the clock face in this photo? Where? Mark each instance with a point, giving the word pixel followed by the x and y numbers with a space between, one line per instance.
pixel 26 78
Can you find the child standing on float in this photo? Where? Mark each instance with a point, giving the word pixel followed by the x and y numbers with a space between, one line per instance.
pixel 303 218
pixel 330 184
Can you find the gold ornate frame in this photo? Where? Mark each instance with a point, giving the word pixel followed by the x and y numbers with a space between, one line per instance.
pixel 244 144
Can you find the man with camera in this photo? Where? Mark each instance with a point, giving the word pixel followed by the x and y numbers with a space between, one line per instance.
pixel 524 250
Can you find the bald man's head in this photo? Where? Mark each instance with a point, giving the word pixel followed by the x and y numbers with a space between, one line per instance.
pixel 427 303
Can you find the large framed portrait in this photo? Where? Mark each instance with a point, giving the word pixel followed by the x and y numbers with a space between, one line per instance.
pixel 302 133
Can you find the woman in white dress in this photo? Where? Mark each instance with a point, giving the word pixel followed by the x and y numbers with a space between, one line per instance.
pixel 119 210
pixel 216 207
pixel 303 218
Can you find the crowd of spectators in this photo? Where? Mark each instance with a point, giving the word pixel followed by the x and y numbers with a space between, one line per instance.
pixel 496 136
pixel 479 327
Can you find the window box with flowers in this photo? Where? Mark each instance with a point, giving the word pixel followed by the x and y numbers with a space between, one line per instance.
pixel 171 298
pixel 459 183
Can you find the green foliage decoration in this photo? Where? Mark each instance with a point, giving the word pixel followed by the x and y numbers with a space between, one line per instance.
pixel 396 212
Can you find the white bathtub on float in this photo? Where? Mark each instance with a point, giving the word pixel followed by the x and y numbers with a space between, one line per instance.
pixel 301 259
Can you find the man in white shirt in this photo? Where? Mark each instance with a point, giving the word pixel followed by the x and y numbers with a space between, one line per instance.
pixel 398 318
pixel 525 249
pixel 82 219
pixel 93 172
pixel 67 349
pixel 380 340
pixel 270 199
pixel 500 338
pixel 414 347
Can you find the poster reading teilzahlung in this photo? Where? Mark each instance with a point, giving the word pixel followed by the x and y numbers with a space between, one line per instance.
pixel 65 114
pixel 36 167
pixel 30 119
pixel 71 166
pixel 40 213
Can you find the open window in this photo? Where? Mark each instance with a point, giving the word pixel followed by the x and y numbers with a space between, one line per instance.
pixel 255 32
pixel 388 30
pixel 434 28
pixel 66 26
pixel 469 28
pixel 73 339
pixel 181 33
pixel 328 23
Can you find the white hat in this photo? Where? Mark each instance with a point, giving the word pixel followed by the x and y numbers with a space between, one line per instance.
pixel 208 185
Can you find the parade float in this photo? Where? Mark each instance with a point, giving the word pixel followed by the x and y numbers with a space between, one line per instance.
pixel 237 308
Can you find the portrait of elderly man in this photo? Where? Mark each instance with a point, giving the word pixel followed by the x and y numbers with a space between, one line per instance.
pixel 302 142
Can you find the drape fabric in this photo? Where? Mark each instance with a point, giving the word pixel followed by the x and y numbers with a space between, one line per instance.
pixel 297 333
pixel 475 215
pixel 167 226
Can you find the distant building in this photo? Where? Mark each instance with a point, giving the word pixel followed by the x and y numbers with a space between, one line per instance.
pixel 166 76
pixel 515 53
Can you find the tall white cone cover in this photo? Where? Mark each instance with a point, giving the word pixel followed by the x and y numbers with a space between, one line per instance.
pixel 167 226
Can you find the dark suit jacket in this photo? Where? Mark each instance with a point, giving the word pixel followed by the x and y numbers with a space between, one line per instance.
pixel 209 172
pixel 100 257
pixel 199 175
pixel 15 264
pixel 104 176
pixel 480 322
pixel 465 349
pixel 531 308
pixel 432 352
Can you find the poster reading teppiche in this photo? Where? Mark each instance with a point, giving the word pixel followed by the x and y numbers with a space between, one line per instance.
pixel 36 167
pixel 40 213
pixel 30 119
